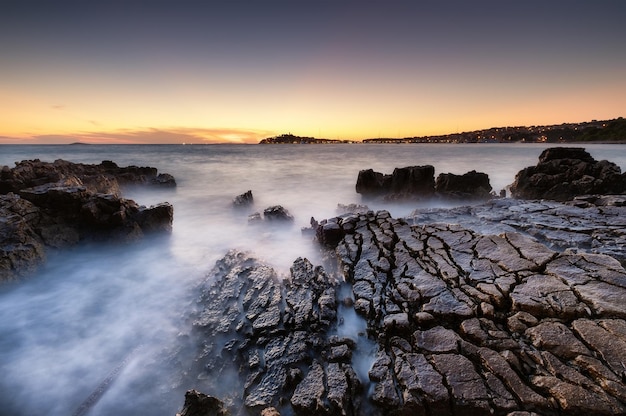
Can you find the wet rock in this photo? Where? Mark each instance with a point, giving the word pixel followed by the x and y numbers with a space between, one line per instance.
pixel 559 226
pixel 540 320
pixel 411 181
pixel 62 203
pixel 277 213
pixel 199 404
pixel 469 186
pixel 417 182
pixel 244 200
pixel 282 328
pixel 462 322
pixel 563 173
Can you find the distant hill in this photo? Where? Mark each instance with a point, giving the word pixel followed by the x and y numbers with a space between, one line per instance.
pixel 613 131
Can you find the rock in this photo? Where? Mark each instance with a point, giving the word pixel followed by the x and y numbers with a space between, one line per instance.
pixel 462 323
pixel 329 233
pixel 277 213
pixel 563 173
pixel 560 226
pixel 62 203
pixel 199 404
pixel 469 186
pixel 419 182
pixel 244 200
pixel 404 182
pixel 21 248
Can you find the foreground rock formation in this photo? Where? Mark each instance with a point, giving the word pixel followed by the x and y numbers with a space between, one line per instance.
pixel 563 173
pixel 463 323
pixel 60 204
pixel 418 182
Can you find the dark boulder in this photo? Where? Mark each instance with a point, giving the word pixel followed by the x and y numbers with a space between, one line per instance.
pixel 563 173
pixel 244 200
pixel 417 182
pixel 471 185
pixel 413 180
pixel 200 404
pixel 407 182
pixel 62 203
pixel 277 213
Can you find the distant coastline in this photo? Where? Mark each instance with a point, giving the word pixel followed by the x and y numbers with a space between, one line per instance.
pixel 604 131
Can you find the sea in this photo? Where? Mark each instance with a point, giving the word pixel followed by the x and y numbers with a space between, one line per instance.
pixel 81 335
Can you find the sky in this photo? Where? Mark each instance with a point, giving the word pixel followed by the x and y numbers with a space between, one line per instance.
pixel 234 71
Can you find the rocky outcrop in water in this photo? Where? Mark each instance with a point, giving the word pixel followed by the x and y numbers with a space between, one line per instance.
pixel 464 323
pixel 563 173
pixel 418 182
pixel 244 200
pixel 60 204
pixel 276 214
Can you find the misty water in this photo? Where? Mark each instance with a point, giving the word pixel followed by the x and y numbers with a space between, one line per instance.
pixel 103 309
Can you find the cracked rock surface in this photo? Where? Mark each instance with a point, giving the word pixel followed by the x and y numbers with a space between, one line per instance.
pixel 462 322
pixel 487 324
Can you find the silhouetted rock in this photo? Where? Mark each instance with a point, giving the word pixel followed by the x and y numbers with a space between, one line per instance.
pixel 563 173
pixel 469 186
pixel 418 182
pixel 199 404
pixel 412 181
pixel 277 213
pixel 244 200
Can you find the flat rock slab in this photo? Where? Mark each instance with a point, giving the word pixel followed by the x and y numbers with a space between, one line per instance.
pixel 592 224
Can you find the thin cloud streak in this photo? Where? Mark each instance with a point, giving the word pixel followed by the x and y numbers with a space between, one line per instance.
pixel 149 136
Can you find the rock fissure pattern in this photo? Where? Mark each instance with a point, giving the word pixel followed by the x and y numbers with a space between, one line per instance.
pixel 495 323
pixel 464 323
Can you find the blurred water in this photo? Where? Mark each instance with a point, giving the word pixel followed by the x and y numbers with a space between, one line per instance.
pixel 63 330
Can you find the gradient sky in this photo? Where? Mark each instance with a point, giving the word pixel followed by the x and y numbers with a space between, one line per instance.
pixel 213 71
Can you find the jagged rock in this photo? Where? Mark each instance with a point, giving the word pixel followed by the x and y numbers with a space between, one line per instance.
pixel 199 404
pixel 403 182
pixel 21 248
pixel 469 186
pixel 62 203
pixel 419 182
pixel 244 200
pixel 283 328
pixel 543 317
pixel 463 323
pixel 563 173
pixel 277 213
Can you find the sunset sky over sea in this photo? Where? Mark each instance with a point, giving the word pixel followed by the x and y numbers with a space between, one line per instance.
pixel 233 71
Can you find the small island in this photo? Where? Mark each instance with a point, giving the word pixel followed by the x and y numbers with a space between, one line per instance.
pixel 293 139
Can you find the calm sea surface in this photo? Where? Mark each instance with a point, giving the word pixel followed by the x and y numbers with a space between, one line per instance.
pixel 66 328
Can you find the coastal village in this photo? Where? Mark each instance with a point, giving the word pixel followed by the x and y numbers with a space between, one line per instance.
pixel 591 131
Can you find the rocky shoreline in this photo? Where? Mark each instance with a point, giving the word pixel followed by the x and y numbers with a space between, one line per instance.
pixel 510 307
pixel 55 205
pixel 463 323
